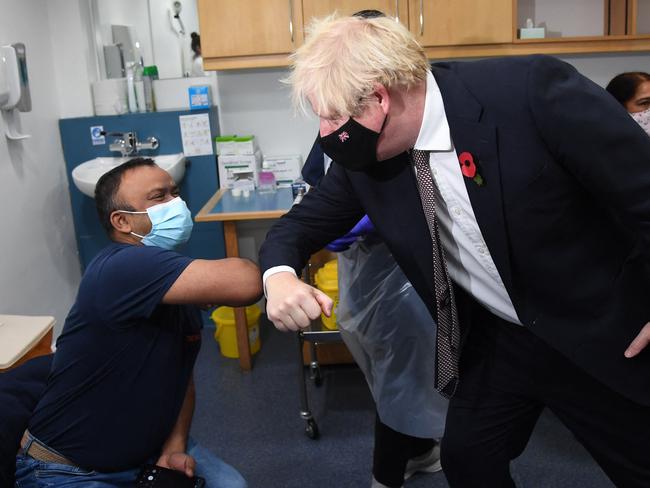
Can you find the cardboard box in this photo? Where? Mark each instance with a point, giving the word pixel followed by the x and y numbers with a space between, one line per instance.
pixel 239 170
pixel 236 145
pixel 285 168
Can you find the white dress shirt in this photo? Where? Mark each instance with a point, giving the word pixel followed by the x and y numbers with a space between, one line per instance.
pixel 469 261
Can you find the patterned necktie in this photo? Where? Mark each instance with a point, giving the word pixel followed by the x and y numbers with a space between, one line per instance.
pixel 448 336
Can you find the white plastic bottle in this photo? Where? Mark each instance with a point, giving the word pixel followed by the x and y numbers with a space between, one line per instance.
pixel 130 87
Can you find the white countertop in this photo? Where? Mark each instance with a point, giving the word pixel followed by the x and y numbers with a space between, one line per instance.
pixel 19 333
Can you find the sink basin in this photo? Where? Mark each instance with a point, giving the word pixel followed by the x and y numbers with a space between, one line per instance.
pixel 86 175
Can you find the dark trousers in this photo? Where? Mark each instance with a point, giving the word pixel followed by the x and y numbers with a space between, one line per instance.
pixel 392 451
pixel 508 376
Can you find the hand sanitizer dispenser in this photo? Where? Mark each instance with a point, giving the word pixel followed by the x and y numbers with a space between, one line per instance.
pixel 9 78
pixel 14 88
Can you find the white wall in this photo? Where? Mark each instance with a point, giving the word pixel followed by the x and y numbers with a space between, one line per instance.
pixel 70 32
pixel 39 268
pixel 256 102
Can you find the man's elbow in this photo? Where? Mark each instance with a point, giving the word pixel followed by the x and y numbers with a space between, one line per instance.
pixel 249 284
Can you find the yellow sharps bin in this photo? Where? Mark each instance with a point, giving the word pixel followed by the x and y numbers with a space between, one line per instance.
pixel 226 333
pixel 327 282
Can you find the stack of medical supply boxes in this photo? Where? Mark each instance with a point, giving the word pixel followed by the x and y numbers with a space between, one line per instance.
pixel 286 169
pixel 240 160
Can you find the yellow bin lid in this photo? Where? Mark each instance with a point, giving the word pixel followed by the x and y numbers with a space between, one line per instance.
pixel 226 315
pixel 327 276
pixel 329 271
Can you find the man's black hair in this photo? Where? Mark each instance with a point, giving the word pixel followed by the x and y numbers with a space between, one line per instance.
pixel 195 44
pixel 106 191
pixel 624 86
pixel 369 14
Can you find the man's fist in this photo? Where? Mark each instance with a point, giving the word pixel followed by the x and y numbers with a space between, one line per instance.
pixel 292 304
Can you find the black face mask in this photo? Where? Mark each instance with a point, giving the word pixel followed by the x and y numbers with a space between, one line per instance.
pixel 352 145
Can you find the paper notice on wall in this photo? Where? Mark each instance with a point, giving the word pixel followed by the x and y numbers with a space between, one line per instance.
pixel 196 136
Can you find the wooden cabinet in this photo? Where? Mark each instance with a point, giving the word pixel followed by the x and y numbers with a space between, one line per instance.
pixel 262 33
pixel 248 33
pixel 460 22
pixel 320 8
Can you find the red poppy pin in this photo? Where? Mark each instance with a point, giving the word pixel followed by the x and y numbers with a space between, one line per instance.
pixel 468 167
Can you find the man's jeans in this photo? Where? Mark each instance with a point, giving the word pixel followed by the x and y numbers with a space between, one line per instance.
pixel 31 473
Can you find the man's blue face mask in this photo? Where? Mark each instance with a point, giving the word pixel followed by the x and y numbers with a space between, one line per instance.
pixel 171 224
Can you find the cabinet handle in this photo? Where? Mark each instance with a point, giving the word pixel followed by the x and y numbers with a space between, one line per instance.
pixel 291 19
pixel 397 10
pixel 421 17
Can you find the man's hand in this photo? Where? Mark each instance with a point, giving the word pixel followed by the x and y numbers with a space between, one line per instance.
pixel 639 343
pixel 178 461
pixel 292 304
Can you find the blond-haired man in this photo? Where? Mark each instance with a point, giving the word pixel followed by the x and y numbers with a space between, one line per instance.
pixel 520 214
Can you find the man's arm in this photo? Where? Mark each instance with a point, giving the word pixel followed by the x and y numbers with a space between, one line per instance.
pixel 231 281
pixel 173 455
pixel 326 212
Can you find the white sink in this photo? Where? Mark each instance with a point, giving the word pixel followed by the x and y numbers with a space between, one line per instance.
pixel 86 175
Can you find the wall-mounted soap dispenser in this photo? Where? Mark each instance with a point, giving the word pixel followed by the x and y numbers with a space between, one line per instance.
pixel 14 88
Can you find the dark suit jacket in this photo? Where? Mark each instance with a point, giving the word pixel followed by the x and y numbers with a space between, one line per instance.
pixel 565 208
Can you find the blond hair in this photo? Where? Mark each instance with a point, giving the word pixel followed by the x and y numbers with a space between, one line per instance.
pixel 344 57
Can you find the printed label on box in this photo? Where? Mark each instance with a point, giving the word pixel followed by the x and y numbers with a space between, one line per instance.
pixel 199 97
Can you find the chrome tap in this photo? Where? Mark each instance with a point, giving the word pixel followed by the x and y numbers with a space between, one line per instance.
pixel 128 144
pixel 125 145
pixel 149 143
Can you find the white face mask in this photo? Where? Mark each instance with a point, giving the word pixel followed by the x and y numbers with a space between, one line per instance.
pixel 643 119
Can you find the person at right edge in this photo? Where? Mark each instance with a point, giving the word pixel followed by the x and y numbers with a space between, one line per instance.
pixel 513 193
pixel 632 90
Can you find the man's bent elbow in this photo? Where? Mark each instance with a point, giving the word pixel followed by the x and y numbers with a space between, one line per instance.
pixel 248 285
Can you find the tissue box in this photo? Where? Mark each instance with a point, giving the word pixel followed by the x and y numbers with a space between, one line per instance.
pixel 532 33
pixel 199 97
pixel 239 170
pixel 285 168
pixel 172 93
pixel 236 145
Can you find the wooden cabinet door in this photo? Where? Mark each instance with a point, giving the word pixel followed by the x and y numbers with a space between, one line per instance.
pixel 461 22
pixel 249 27
pixel 321 8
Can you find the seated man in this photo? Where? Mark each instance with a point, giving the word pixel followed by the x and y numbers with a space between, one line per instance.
pixel 120 393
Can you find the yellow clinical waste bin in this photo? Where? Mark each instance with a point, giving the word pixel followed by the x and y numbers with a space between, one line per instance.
pixel 226 333
pixel 327 282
